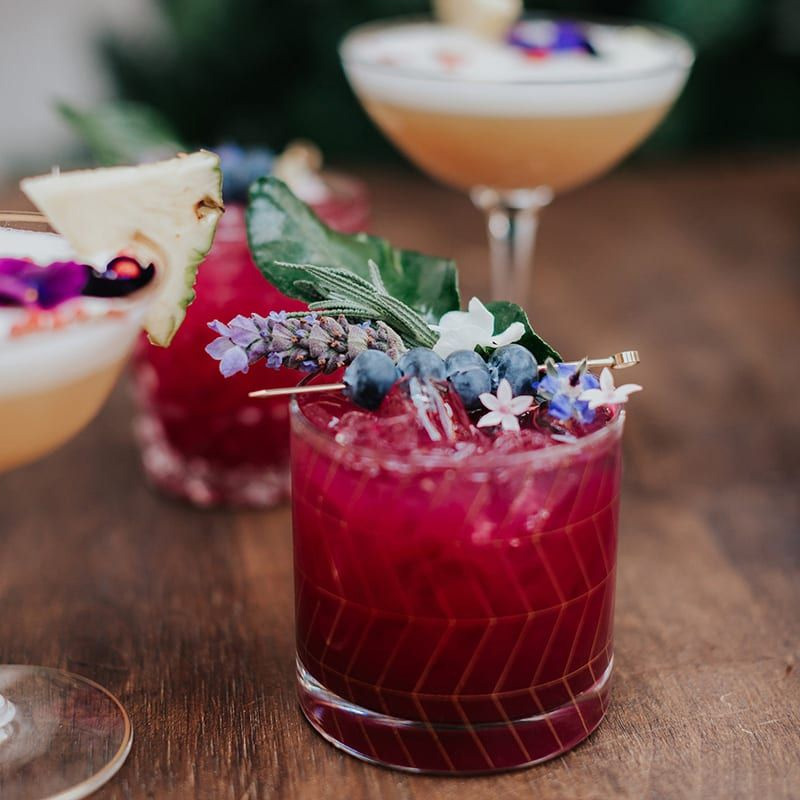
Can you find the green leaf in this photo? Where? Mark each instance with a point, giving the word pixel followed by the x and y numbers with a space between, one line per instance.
pixel 123 133
pixel 505 313
pixel 282 228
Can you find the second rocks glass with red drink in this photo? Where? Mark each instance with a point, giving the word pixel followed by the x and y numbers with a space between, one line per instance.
pixel 201 438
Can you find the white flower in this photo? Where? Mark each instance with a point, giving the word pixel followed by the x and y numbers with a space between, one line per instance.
pixel 503 408
pixel 607 394
pixel 465 330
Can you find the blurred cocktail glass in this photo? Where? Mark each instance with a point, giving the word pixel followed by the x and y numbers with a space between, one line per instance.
pixel 201 439
pixel 514 126
pixel 61 735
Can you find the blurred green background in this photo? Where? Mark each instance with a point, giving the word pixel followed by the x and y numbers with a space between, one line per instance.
pixel 267 72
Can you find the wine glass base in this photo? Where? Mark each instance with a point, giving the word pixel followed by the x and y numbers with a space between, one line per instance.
pixel 64 736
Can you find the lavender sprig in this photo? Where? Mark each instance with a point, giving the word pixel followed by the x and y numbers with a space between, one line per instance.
pixel 309 342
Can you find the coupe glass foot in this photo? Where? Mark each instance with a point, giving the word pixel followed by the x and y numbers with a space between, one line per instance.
pixel 61 736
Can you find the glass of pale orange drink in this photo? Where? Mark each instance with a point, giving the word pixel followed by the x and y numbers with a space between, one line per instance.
pixel 514 112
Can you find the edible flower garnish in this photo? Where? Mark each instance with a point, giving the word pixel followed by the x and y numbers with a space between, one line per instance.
pixel 541 38
pixel 563 386
pixel 23 283
pixel 466 330
pixel 504 408
pixel 305 341
pixel 608 394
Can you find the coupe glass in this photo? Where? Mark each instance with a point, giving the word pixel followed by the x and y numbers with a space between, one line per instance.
pixel 470 629
pixel 61 735
pixel 513 144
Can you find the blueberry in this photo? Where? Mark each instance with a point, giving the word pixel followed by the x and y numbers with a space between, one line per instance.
pixel 462 360
pixel 470 385
pixel 240 167
pixel 469 376
pixel 369 378
pixel 517 365
pixel 420 362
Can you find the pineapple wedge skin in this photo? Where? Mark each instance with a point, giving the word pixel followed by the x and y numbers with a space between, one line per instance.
pixel 164 212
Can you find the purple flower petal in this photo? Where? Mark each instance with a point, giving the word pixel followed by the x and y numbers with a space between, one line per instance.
pixel 27 284
pixel 258 350
pixel 261 323
pixel 219 347
pixel 62 281
pixel 15 292
pixel 243 337
pixel 274 361
pixel 235 360
pixel 219 327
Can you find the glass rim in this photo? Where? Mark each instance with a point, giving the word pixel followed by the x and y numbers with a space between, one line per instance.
pixel 683 58
pixel 542 458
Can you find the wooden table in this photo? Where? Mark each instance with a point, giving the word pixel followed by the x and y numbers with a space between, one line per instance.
pixel 187 615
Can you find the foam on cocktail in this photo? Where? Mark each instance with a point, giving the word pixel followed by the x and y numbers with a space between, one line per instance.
pixel 424 65
pixel 83 344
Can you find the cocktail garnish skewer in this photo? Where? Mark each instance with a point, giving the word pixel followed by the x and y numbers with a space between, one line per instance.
pixel 623 360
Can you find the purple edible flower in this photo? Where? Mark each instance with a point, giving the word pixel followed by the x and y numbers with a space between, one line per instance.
pixel 540 38
pixel 23 283
pixel 231 347
pixel 562 386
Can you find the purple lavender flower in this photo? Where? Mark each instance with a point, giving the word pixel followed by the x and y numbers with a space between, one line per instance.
pixel 274 361
pixel 233 345
pixel 562 386
pixel 309 342
pixel 23 283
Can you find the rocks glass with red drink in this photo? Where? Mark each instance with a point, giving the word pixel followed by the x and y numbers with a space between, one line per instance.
pixel 454 603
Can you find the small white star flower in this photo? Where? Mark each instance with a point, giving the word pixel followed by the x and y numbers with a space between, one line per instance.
pixel 608 394
pixel 465 330
pixel 504 408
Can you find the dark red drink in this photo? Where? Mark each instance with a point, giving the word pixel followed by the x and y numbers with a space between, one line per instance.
pixel 453 604
pixel 201 437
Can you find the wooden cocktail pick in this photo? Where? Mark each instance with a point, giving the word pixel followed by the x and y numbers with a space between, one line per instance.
pixel 623 360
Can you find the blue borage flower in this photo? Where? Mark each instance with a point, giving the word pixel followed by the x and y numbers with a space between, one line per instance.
pixel 23 283
pixel 561 388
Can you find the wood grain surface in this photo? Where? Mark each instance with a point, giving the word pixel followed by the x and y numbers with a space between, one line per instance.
pixel 187 615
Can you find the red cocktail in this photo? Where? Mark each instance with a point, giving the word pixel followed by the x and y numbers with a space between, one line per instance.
pixel 200 437
pixel 454 603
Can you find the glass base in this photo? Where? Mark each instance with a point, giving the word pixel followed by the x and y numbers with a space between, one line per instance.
pixel 202 483
pixel 64 736
pixel 416 746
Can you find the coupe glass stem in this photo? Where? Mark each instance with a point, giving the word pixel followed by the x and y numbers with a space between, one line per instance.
pixel 512 219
